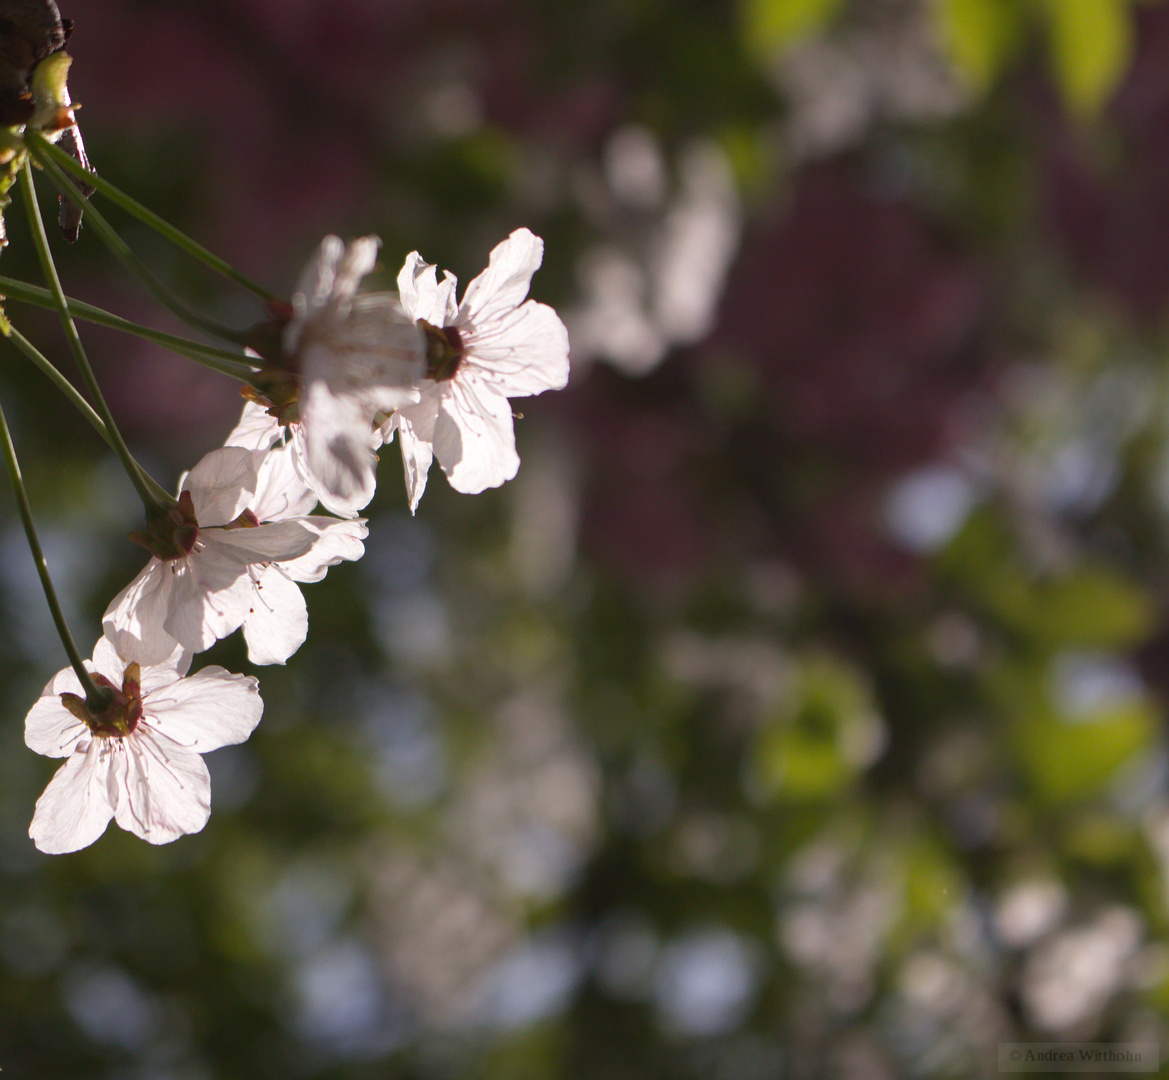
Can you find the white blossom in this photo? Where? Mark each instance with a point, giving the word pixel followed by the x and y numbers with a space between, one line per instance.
pixel 491 347
pixel 138 760
pixel 277 620
pixel 358 356
pixel 241 539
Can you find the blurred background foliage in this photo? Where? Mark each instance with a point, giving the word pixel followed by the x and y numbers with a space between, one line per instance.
pixel 799 710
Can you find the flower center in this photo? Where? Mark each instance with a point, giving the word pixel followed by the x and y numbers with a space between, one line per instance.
pixel 277 391
pixel 120 717
pixel 173 533
pixel 444 351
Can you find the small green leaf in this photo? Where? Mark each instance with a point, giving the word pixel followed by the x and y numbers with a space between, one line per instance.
pixel 1091 42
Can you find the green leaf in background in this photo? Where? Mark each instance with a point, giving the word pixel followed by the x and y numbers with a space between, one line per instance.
pixel 1072 761
pixel 1091 42
pixel 981 36
pixel 822 736
pixel 1070 758
pixel 1093 606
pixel 932 884
pixel 771 25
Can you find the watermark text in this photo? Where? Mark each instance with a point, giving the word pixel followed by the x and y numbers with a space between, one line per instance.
pixel 1134 1057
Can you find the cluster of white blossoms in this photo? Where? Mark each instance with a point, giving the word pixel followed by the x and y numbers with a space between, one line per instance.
pixel 351 369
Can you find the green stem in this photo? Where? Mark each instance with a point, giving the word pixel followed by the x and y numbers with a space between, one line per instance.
pixel 71 392
pixel 150 501
pixel 95 698
pixel 59 380
pixel 147 217
pixel 121 251
pixel 221 360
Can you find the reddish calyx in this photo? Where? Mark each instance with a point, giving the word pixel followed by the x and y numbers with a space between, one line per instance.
pixel 172 534
pixel 121 715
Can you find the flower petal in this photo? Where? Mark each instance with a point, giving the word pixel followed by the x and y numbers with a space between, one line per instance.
pixel 417 424
pixel 523 352
pixel 222 484
pixel 175 666
pixel 474 439
pixel 337 444
pixel 328 284
pixel 375 355
pixel 273 541
pixel 107 662
pixel 257 428
pixel 505 282
pixel 277 620
pixel 337 541
pixel 298 452
pixel 50 728
pixel 359 259
pixel 422 296
pixel 208 598
pixel 74 809
pixel 205 711
pixel 281 492
pixel 164 791
pixel 134 621
pixel 314 288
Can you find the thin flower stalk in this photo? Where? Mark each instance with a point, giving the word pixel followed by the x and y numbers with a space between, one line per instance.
pixel 121 251
pixel 60 382
pixel 71 392
pixel 147 217
pixel 147 491
pixel 221 360
pixel 95 697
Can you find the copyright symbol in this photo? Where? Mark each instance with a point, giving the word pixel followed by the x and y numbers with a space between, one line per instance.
pixel 1015 1055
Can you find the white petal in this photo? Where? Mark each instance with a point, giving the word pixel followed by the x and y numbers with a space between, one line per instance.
pixel 523 352
pixel 337 444
pixel 417 424
pixel 327 286
pixel 359 259
pixel 134 622
pixel 337 541
pixel 112 665
pixel 277 620
pixel 168 671
pixel 314 288
pixel 207 710
pixel 505 282
pixel 107 662
pixel 74 809
pixel 281 492
pixel 375 354
pixel 298 453
pixel 222 484
pixel 257 428
pixel 271 541
pixel 164 791
pixel 50 728
pixel 208 598
pixel 422 296
pixel 474 437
